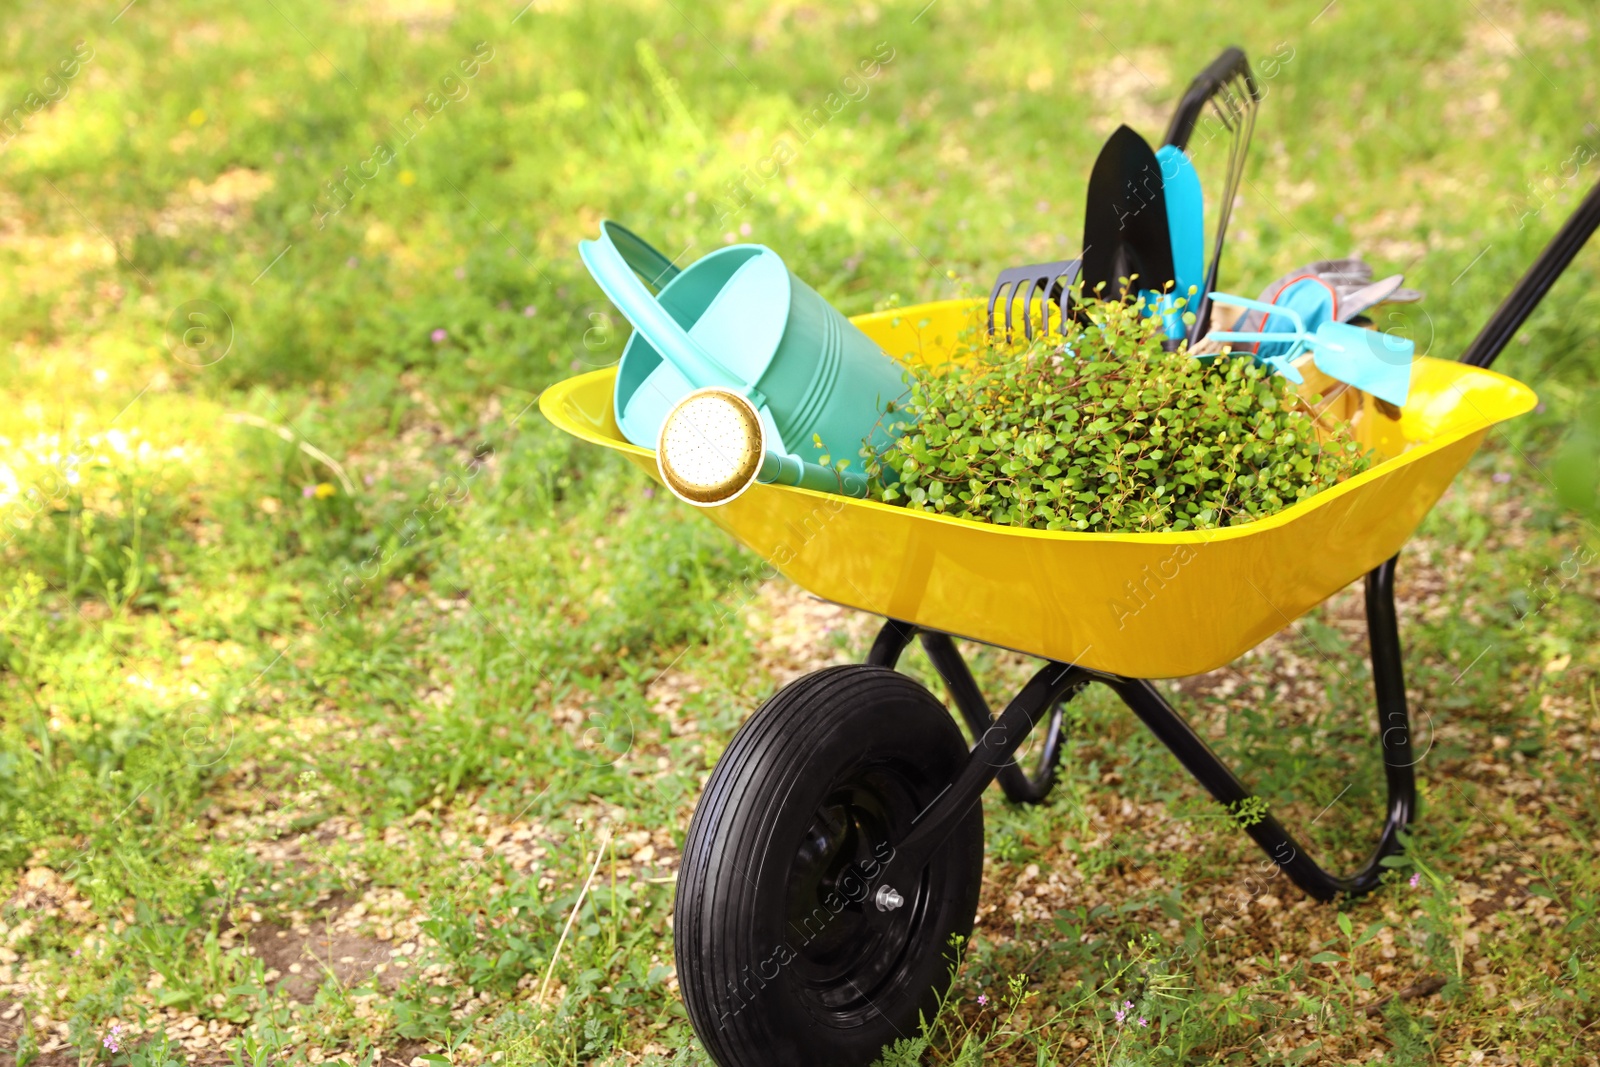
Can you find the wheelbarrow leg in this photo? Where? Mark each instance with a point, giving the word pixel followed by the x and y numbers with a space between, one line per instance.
pixel 1394 729
pixel 890 643
pixel 1019 786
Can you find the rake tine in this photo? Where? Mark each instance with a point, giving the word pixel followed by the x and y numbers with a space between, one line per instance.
pixel 1027 310
pixel 1025 283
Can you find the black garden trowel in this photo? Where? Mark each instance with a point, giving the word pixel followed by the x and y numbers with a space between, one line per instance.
pixel 1125 233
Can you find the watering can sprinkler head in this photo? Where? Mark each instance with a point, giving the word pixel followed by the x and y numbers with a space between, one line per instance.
pixel 711 447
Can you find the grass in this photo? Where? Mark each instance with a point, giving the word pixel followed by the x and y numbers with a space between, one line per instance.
pixel 335 685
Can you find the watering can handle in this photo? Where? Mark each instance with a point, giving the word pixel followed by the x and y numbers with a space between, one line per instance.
pixel 617 270
pixel 647 262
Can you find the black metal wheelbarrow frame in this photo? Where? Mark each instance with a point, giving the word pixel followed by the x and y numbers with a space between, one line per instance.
pixel 998 739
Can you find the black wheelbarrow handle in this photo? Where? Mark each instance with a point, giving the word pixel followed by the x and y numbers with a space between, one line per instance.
pixel 1521 301
pixel 1227 67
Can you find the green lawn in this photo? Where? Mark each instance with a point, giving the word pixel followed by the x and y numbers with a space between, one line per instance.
pixel 331 675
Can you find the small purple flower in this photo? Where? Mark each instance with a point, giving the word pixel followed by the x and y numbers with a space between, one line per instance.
pixel 983 998
pixel 744 229
pixel 1502 477
pixel 112 1040
pixel 1539 408
pixel 308 491
pixel 529 312
pixel 1122 1012
pixel 1144 1022
pixel 1416 880
pixel 461 272
pixel 439 335
pixel 649 492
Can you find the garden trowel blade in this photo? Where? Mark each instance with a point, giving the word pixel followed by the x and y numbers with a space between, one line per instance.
pixel 1125 230
pixel 1374 362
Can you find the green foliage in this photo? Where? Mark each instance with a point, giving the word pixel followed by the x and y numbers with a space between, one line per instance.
pixel 160 1052
pixel 1103 430
pixel 1576 466
pixel 1248 812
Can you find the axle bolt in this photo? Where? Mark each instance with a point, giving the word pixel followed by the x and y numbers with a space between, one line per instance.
pixel 887 899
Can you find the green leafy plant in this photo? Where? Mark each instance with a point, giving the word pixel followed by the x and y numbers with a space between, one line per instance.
pixel 1248 812
pixel 1100 429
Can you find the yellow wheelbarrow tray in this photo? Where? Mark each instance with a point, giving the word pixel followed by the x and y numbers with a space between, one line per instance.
pixel 1148 605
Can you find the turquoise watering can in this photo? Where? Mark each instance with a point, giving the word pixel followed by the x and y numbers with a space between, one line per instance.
pixel 738 320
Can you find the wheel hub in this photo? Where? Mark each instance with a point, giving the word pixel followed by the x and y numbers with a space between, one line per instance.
pixel 849 937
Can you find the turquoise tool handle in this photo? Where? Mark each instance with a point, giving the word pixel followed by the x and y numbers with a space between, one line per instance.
pixel 1246 335
pixel 1267 309
pixel 614 269
pixel 783 469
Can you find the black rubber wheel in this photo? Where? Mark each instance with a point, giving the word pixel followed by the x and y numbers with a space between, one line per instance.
pixel 782 957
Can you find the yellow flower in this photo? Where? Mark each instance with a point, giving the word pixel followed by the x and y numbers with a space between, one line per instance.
pixel 197 117
pixel 323 491
pixel 407 178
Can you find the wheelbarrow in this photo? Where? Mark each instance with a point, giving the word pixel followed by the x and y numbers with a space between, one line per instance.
pixel 835 857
